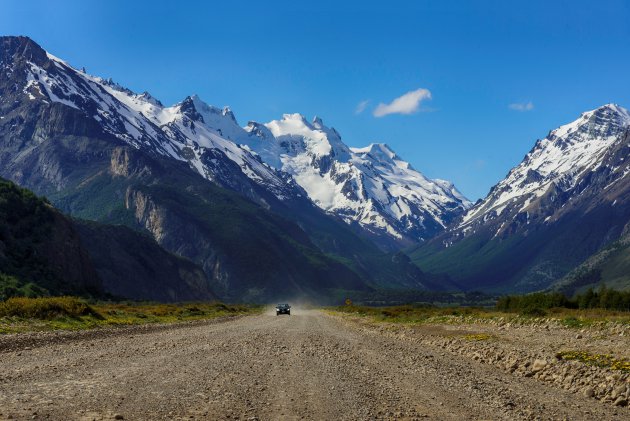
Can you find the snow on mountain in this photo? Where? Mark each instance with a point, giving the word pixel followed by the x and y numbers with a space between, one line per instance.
pixel 370 186
pixel 557 162
pixel 189 131
pixel 566 200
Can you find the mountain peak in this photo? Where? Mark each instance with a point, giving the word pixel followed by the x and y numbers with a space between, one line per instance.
pixel 189 109
pixel 114 85
pixel 302 157
pixel 14 47
pixel 381 150
pixel 615 107
pixel 318 123
pixel 382 147
pixel 259 130
pixel 145 96
pixel 198 110
pixel 227 112
pixel 370 186
pixel 295 117
pixel 197 102
pixel 604 121
pixel 560 160
pixel 616 110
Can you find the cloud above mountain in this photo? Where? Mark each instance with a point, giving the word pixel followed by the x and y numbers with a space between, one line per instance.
pixel 361 106
pixel 408 103
pixel 521 106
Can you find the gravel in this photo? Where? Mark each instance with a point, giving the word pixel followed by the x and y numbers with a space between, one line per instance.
pixel 306 366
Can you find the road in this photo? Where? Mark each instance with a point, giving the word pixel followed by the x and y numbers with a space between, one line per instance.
pixel 305 366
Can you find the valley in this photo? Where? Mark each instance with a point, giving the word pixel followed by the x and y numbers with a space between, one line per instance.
pixel 178 203
pixel 314 211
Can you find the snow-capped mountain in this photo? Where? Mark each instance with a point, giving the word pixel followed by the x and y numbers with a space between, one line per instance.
pixel 370 187
pixel 185 131
pixel 568 198
pixel 558 164
pixel 102 153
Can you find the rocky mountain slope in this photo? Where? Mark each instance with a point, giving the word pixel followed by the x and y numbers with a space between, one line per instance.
pixel 371 187
pixel 40 251
pixel 569 197
pixel 287 159
pixel 610 266
pixel 43 252
pixel 563 162
pixel 100 152
pixel 132 265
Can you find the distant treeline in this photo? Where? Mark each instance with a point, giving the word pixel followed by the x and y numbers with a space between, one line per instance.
pixel 396 297
pixel 605 298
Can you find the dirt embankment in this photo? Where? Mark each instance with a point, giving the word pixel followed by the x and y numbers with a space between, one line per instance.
pixel 572 359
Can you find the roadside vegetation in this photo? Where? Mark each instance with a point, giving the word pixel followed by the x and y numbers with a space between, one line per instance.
pixel 412 313
pixel 23 314
pixel 605 305
pixel 597 360
pixel 605 298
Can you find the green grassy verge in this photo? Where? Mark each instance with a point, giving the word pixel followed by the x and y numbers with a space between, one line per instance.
pixel 409 313
pixel 571 318
pixel 21 314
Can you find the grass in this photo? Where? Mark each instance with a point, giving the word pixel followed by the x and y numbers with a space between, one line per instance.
pixel 574 322
pixel 412 314
pixel 21 314
pixel 571 318
pixel 46 308
pixel 598 360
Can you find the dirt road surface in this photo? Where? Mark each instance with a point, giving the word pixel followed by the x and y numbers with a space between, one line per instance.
pixel 305 366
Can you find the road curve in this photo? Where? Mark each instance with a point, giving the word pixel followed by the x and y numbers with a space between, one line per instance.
pixel 305 366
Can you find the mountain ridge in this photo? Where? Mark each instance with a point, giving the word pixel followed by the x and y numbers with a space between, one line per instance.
pixel 103 152
pixel 370 196
pixel 88 145
pixel 567 199
pixel 370 186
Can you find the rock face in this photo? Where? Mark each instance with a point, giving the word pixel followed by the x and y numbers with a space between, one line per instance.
pixel 250 255
pixel 567 199
pixel 133 266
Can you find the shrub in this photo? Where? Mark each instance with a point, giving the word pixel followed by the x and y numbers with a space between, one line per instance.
pixel 533 312
pixel 46 308
pixel 532 303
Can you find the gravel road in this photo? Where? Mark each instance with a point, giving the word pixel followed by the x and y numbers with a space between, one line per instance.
pixel 305 366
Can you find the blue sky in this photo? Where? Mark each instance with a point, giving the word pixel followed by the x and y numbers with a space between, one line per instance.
pixel 550 60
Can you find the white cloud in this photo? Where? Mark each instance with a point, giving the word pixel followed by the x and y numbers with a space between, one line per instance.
pixel 408 103
pixel 521 106
pixel 361 106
